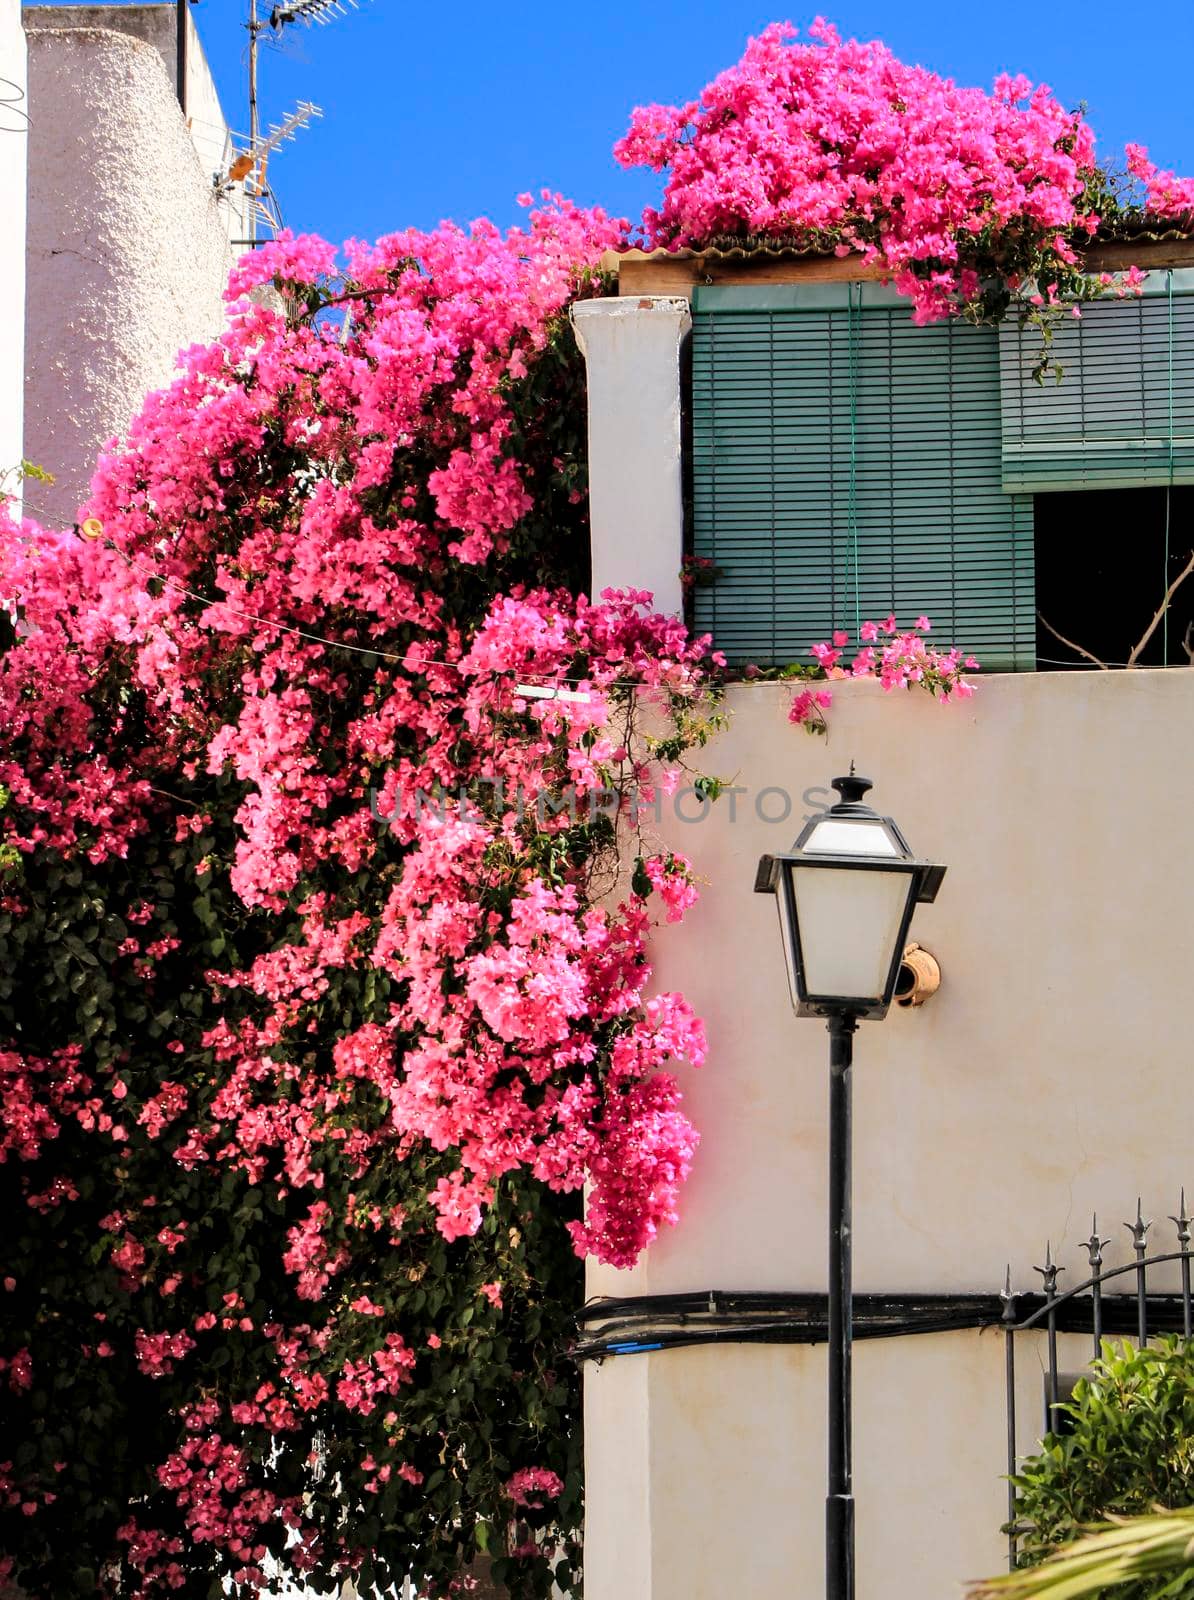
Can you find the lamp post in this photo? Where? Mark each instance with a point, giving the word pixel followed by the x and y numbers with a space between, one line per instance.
pixel 845 893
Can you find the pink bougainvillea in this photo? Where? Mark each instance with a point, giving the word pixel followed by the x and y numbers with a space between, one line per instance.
pixel 899 658
pixel 958 195
pixel 532 1485
pixel 325 767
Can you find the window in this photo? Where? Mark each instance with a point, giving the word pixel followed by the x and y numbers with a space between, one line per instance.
pixel 846 464
pixel 1101 573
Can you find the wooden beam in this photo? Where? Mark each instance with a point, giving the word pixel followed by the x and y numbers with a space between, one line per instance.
pixel 677 272
pixel 1116 255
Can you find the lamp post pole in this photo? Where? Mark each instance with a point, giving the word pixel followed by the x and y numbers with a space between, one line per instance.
pixel 839 1503
pixel 845 893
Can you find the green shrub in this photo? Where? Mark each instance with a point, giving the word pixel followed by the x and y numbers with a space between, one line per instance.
pixel 1131 1450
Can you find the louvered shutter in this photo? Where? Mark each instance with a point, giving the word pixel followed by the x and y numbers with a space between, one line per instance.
pixel 1123 415
pixel 783 381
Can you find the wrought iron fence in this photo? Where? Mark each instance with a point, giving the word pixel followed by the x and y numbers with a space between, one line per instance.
pixel 1088 1308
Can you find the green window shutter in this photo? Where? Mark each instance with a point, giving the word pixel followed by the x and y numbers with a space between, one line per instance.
pixel 1123 414
pixel 783 381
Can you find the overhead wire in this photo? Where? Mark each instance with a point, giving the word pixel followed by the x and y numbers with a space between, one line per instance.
pixel 544 681
pixel 853 332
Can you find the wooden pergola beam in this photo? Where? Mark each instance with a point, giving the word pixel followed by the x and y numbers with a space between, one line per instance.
pixel 677 272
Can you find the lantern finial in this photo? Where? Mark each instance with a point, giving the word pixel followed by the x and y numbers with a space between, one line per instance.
pixel 851 789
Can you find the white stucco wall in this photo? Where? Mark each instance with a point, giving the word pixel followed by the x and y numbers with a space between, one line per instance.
pixel 14 143
pixel 632 351
pixel 128 247
pixel 1049 1078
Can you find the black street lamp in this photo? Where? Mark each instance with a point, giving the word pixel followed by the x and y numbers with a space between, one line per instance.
pixel 845 892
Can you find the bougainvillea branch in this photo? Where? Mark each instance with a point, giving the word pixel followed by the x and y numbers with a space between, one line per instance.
pixel 898 658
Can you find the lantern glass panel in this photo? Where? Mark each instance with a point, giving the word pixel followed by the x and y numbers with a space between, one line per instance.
pixel 849 920
pixel 785 906
pixel 834 836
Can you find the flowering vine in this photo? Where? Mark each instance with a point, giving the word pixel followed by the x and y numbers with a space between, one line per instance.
pixel 897 658
pixel 965 200
pixel 323 993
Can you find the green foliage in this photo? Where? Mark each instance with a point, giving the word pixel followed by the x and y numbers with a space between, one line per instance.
pixel 1131 1451
pixel 1153 1553
pixel 499 1384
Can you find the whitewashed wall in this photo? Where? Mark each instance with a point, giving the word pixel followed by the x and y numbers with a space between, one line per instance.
pixel 128 246
pixel 14 144
pixel 156 25
pixel 1048 1078
pixel 1045 1081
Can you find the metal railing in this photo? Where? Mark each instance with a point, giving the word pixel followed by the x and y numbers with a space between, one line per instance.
pixel 1087 1307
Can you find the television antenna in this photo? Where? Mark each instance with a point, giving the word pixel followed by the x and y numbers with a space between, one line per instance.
pixel 262 204
pixel 251 166
pixel 321 11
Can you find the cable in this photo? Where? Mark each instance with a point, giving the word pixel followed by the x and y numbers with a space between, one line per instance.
pixel 644 1324
pixel 548 679
pixel 853 330
pixel 1086 666
pixel 11 102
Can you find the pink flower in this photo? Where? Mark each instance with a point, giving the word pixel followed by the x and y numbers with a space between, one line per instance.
pixel 836 139
pixel 1138 163
pixel 671 876
pixel 807 706
pixel 530 1486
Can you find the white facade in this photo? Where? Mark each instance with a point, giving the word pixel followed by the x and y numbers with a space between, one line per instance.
pixel 1045 1081
pixel 157 26
pixel 129 244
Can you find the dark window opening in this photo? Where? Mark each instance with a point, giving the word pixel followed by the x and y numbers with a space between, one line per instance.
pixel 1100 575
pixel 1059 1419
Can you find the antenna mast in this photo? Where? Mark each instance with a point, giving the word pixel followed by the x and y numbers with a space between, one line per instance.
pixel 254 31
pixel 250 164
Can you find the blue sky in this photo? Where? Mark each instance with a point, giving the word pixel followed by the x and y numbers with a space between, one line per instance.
pixel 436 111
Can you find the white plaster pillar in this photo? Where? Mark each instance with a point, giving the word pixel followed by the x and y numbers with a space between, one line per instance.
pixel 14 143
pixel 618 1473
pixel 636 502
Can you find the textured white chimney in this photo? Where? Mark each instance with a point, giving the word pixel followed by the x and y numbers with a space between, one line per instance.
pixel 14 143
